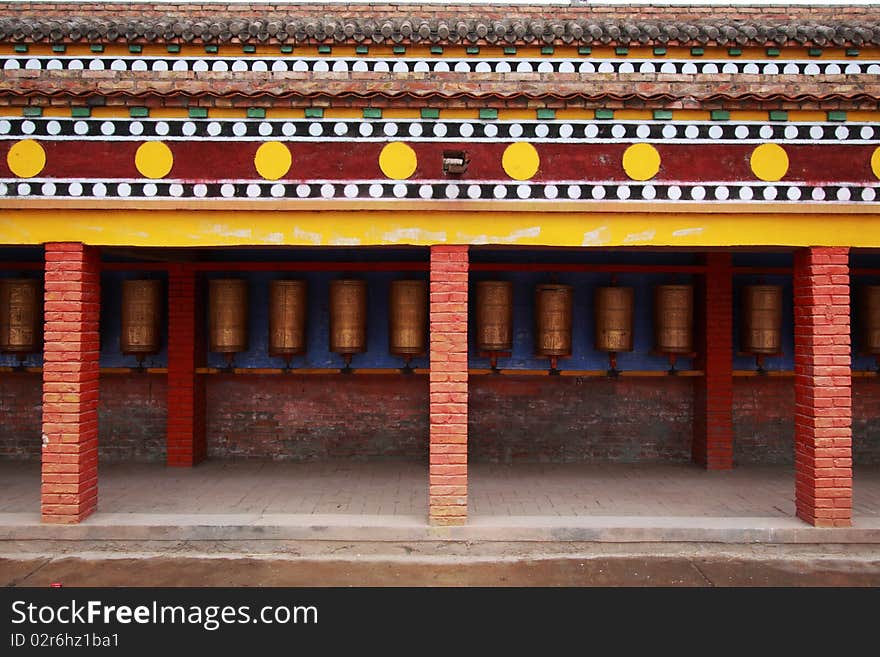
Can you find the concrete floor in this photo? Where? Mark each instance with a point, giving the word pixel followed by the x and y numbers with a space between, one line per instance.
pixel 676 566
pixel 400 489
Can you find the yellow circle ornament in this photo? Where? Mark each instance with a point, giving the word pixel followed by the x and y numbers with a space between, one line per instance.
pixel 272 160
pixel 769 162
pixel 875 162
pixel 26 158
pixel 641 161
pixel 520 161
pixel 154 159
pixel 398 161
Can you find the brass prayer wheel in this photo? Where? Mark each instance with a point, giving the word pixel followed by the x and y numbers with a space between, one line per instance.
pixel 141 318
pixel 408 318
pixel 20 315
pixel 674 319
pixel 871 319
pixel 495 315
pixel 614 319
pixel 228 311
pixel 288 309
pixel 348 317
pixel 762 319
pixel 553 305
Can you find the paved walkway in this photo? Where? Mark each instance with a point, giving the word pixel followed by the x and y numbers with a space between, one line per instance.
pixel 400 489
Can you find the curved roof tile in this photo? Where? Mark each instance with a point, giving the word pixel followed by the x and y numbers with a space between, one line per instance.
pixel 456 30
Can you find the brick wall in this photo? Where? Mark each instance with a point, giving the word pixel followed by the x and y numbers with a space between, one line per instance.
pixel 186 391
pixel 131 418
pixel 713 431
pixel 21 411
pixel 118 10
pixel 763 420
pixel 362 416
pixel 567 419
pixel 866 421
pixel 448 385
pixel 70 382
pixel 822 387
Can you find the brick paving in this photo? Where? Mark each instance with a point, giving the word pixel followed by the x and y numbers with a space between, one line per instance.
pixel 401 489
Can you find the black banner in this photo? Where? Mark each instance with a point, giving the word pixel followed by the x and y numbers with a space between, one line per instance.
pixel 130 620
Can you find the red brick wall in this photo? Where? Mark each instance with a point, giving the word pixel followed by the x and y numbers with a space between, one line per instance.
pixel 21 411
pixel 131 418
pixel 764 420
pixel 70 382
pixel 362 416
pixel 554 419
pixel 448 475
pixel 186 391
pixel 713 431
pixel 822 387
pixel 866 421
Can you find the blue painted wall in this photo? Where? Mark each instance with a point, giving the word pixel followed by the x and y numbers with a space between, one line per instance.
pixel 30 255
pixel 319 354
pixel 111 320
pixel 747 361
pixel 584 356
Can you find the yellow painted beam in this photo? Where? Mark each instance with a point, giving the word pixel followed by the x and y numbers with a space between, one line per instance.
pixel 411 226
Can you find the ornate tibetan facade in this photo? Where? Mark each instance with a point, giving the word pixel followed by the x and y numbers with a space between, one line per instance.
pixel 619 159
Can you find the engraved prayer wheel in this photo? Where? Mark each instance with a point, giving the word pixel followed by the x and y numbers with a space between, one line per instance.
pixel 495 316
pixel 762 319
pixel 20 316
pixel 288 309
pixel 141 318
pixel 553 305
pixel 348 317
pixel 674 319
pixel 871 319
pixel 614 319
pixel 408 318
pixel 228 312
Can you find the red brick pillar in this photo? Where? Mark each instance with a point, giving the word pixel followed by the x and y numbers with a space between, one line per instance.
pixel 449 385
pixel 69 490
pixel 713 400
pixel 823 402
pixel 185 440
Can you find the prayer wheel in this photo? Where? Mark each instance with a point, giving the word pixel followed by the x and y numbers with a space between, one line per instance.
pixel 408 318
pixel 228 311
pixel 20 316
pixel 141 318
pixel 674 319
pixel 553 304
pixel 871 319
pixel 494 318
pixel 614 319
pixel 348 317
pixel 288 309
pixel 762 319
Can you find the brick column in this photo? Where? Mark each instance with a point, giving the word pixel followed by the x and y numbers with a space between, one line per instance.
pixel 69 490
pixel 185 439
pixel 449 386
pixel 823 402
pixel 713 400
